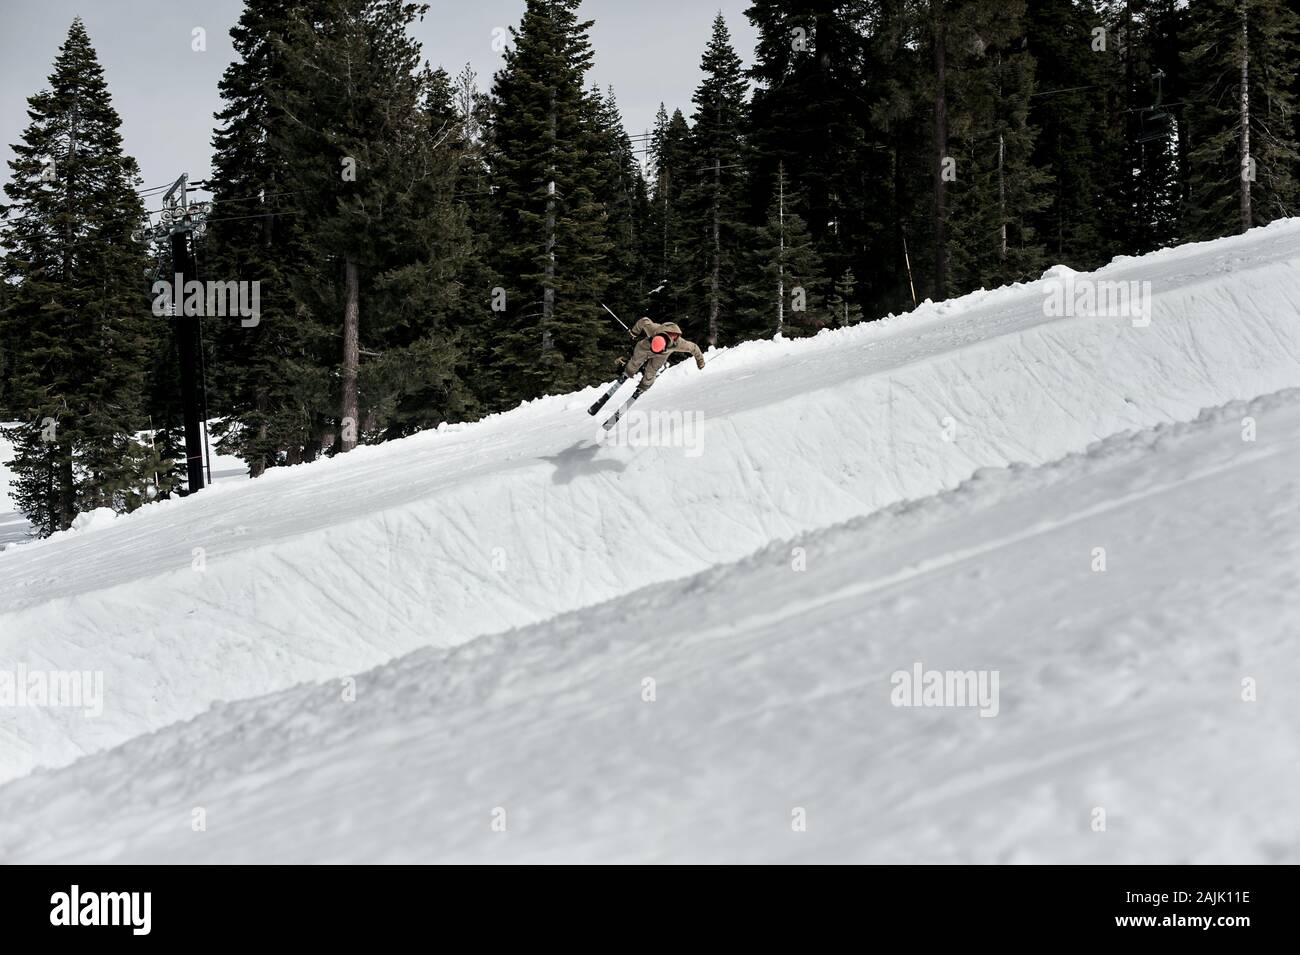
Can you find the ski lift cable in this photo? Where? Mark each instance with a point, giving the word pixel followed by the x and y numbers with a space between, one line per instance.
pixel 1066 89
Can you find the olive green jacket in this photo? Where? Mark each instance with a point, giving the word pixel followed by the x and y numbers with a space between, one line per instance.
pixel 649 329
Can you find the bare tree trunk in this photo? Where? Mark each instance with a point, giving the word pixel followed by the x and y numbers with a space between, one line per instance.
pixel 940 149
pixel 900 235
pixel 663 188
pixel 1245 121
pixel 257 466
pixel 49 503
pixel 67 486
pixel 717 253
pixel 67 504
pixel 1060 200
pixel 780 255
pixel 319 438
pixel 1002 179
pixel 1002 200
pixel 351 356
pixel 548 287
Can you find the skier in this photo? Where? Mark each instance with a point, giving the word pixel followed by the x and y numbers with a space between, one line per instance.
pixel 655 343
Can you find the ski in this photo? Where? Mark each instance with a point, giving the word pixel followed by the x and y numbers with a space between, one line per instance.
pixel 613 419
pixel 600 402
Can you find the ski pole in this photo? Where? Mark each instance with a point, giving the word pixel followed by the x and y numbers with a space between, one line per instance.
pixel 616 318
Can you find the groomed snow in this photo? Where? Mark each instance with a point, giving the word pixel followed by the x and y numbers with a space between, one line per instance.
pixel 1120 691
pixel 314 572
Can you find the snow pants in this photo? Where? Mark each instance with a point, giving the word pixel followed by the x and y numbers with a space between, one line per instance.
pixel 646 362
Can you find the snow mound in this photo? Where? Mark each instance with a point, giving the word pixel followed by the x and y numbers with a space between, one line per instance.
pixel 313 572
pixel 1059 272
pixel 95 520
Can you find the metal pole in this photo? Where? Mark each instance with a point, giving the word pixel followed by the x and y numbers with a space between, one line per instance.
pixel 187 341
pixel 780 255
pixel 179 219
pixel 616 318
pixel 908 260
pixel 203 399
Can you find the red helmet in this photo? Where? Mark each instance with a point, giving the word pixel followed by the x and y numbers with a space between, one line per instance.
pixel 658 343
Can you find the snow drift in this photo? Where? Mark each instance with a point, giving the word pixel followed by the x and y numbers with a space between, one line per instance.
pixel 328 569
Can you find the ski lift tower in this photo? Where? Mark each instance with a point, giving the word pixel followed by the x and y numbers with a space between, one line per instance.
pixel 179 220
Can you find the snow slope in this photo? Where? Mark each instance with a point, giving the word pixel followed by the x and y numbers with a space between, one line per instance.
pixel 1118 690
pixel 14 526
pixel 314 572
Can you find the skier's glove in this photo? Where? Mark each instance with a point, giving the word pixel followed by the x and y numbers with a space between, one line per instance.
pixel 699 363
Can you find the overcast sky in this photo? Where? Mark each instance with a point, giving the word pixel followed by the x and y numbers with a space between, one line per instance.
pixel 166 92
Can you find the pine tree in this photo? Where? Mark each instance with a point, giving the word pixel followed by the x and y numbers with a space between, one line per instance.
pixel 272 376
pixel 78 322
pixel 367 148
pixel 784 296
pixel 840 304
pixel 621 190
pixel 1073 54
pixel 715 191
pixel 997 191
pixel 1141 155
pixel 7 366
pixel 897 245
pixel 666 237
pixel 1241 119
pixel 942 160
pixel 810 115
pixel 553 245
pixel 417 380
pixel 478 278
